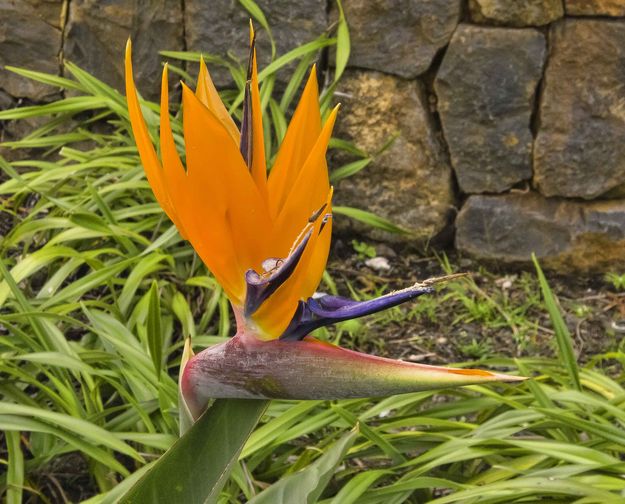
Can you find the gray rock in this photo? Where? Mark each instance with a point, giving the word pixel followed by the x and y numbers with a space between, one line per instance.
pixel 30 37
pixel 595 7
pixel 410 183
pixel 565 235
pixel 399 36
pixel 6 101
pixel 580 147
pixel 222 30
pixel 97 32
pixel 16 130
pixel 486 87
pixel 516 12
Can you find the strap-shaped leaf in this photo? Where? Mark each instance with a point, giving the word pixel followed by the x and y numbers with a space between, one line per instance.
pixel 196 467
pixel 307 485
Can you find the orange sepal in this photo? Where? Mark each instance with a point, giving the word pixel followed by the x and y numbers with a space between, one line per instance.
pixel 216 168
pixel 172 175
pixel 299 140
pixel 319 257
pixel 214 247
pixel 147 153
pixel 207 93
pixel 308 191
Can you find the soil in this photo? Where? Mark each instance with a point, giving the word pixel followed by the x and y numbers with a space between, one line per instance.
pixel 594 310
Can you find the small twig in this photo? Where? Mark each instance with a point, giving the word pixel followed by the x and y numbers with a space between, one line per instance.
pixel 442 279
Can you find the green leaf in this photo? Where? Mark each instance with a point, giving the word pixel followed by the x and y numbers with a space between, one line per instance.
pixel 349 169
pixel 142 268
pixel 269 431
pixel 387 448
pixel 16 423
pixel 90 221
pixel 278 119
pixel 112 497
pixel 370 218
pixel 257 13
pixel 358 485
pixel 183 313
pixel 185 419
pixel 88 430
pixel 342 43
pixel 55 359
pixel 50 79
pixel 563 336
pixel 73 104
pixel 86 283
pixel 15 472
pixel 307 485
pixel 302 69
pixel 153 323
pixel 298 52
pixel 196 467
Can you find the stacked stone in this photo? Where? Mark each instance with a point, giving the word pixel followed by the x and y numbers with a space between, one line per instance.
pixel 38 34
pixel 527 98
pixel 508 116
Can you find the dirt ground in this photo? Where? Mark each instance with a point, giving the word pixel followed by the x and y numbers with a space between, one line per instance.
pixel 497 312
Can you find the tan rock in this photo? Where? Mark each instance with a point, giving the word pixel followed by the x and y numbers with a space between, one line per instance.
pixel 580 148
pixel 410 183
pixel 595 7
pixel 516 12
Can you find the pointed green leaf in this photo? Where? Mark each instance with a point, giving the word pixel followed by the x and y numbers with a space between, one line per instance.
pixel 563 336
pixel 196 467
pixel 370 218
pixel 185 418
pixel 153 323
pixel 342 44
pixel 306 486
pixel 15 471
pixel 358 485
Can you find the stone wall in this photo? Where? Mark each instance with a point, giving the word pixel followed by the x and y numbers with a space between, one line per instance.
pixel 508 115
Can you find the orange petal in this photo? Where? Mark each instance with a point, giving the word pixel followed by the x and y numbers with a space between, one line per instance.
pixel 208 95
pixel 147 153
pixel 172 167
pixel 308 191
pixel 216 169
pixel 319 256
pixel 298 142
pixel 201 225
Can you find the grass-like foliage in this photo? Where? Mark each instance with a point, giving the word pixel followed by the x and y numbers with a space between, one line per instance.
pixel 98 292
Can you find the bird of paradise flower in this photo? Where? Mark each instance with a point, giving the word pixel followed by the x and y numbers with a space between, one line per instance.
pixel 266 239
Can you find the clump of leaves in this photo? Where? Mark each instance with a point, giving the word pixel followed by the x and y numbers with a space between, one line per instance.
pixel 616 280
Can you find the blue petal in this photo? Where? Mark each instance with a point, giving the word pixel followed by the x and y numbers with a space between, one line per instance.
pixel 326 310
pixel 246 120
pixel 277 271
